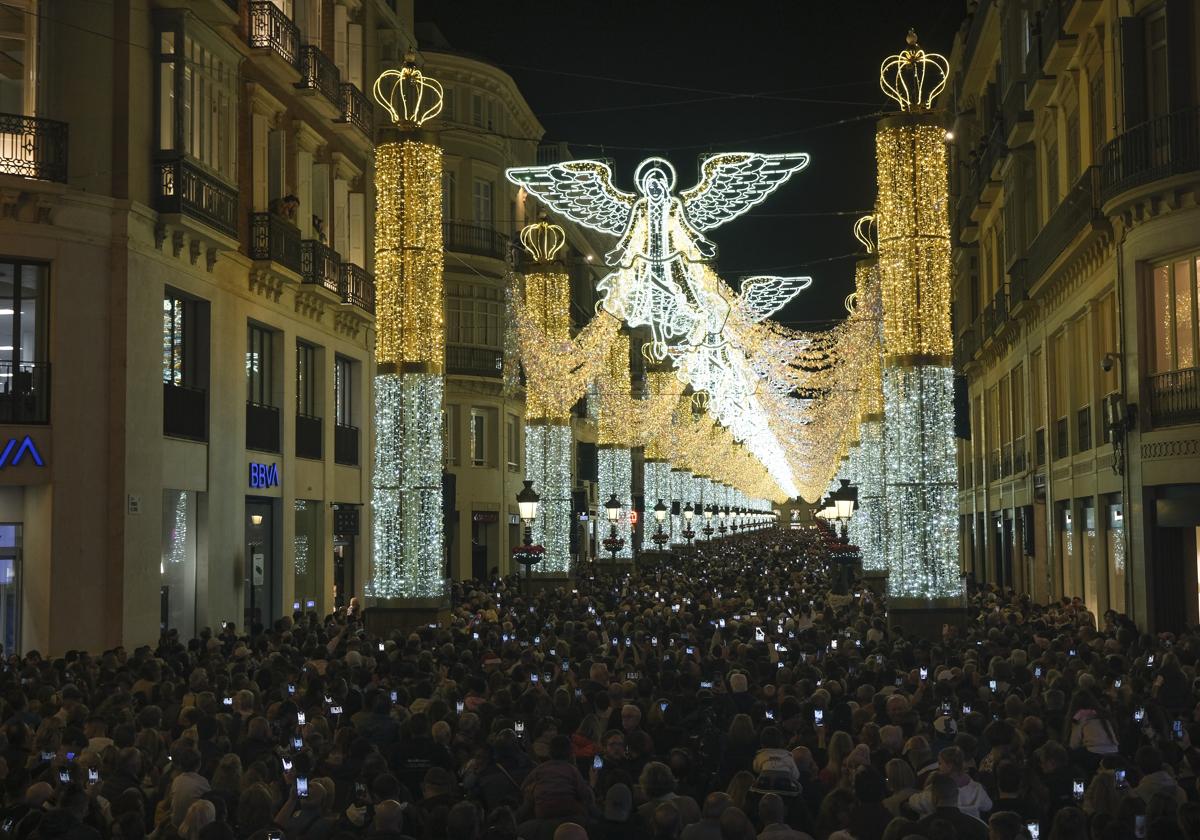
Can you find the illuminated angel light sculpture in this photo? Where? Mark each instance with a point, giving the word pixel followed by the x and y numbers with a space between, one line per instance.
pixel 660 277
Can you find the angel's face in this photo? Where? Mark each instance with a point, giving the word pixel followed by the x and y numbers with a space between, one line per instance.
pixel 655 185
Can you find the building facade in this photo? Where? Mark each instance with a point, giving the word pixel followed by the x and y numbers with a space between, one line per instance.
pixel 1077 143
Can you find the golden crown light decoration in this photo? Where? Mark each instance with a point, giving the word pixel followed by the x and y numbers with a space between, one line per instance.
pixel 913 77
pixel 920 502
pixel 410 344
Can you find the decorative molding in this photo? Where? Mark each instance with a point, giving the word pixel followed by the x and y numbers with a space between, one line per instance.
pixel 25 206
pixel 310 304
pixel 348 322
pixel 266 283
pixel 1170 449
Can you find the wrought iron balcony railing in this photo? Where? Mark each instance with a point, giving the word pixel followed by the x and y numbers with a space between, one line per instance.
pixel 1080 208
pixel 185 412
pixel 1175 397
pixel 474 239
pixel 320 265
pixel 269 28
pixel 345 445
pixel 357 109
pixel 185 188
pixel 319 73
pixel 1164 146
pixel 262 427
pixel 473 361
pixel 274 238
pixel 357 287
pixel 33 147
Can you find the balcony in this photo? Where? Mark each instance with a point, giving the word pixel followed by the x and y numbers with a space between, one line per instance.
pixel 982 183
pixel 319 74
pixel 996 314
pixel 473 361
pixel 24 393
pixel 274 238
pixel 1018 119
pixel 357 287
pixel 185 412
pixel 273 34
pixel 262 427
pixel 1056 45
pixel 1174 397
pixel 357 109
pixel 345 445
pixel 31 147
pixel 473 239
pixel 994 460
pixel 320 265
pixel 1077 211
pixel 1019 456
pixel 308 437
pixel 1006 460
pixel 1162 147
pixel 187 190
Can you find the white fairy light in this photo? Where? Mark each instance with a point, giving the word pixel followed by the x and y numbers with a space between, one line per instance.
pixel 548 466
pixel 616 478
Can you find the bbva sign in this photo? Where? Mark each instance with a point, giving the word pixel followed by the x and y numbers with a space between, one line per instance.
pixel 264 475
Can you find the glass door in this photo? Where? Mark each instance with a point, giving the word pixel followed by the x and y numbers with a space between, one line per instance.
pixel 10 588
pixel 259 585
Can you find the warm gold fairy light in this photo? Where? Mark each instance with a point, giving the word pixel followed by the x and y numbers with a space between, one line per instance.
pixel 408 256
pixel 616 421
pixel 914 237
pixel 547 302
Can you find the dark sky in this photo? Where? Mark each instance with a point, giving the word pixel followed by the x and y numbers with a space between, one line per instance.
pixel 682 79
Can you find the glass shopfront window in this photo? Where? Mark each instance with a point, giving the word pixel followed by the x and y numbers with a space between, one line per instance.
pixel 308 555
pixel 1115 550
pixel 177 566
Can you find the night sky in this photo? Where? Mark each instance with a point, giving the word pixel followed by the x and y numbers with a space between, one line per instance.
pixel 628 79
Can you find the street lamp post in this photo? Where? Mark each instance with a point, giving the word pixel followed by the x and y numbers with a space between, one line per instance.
pixel 721 514
pixel 688 513
pixel 708 528
pixel 613 543
pixel 528 502
pixel 845 500
pixel 660 515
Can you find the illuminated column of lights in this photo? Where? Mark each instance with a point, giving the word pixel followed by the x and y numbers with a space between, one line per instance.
pixel 656 484
pixel 614 432
pixel 409 343
pixel 681 491
pixel 868 522
pixel 548 438
pixel 920 503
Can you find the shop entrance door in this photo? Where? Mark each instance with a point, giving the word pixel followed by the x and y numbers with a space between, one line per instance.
pixel 260 585
pixel 10 588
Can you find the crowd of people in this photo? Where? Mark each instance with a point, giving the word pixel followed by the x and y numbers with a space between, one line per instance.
pixel 745 690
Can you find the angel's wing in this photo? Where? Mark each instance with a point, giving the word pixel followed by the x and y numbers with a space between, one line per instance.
pixel 763 296
pixel 581 190
pixel 730 184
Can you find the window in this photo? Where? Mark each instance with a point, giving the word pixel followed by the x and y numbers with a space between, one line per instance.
pixel 474 315
pixel 1050 146
pixel 260 365
pixel 479 449
pixel 1073 169
pixel 513 440
pixel 308 554
pixel 1157 83
pixel 447 104
pixel 307 403
pixel 452 436
pixel 18 73
pixel 1173 300
pixel 449 209
pixel 1083 364
pixel 1026 33
pixel 1096 111
pixel 197 95
pixel 24 366
pixel 185 340
pixel 343 391
pixel 481 193
pixel 477 110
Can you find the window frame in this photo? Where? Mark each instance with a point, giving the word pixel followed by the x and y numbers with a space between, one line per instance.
pixel 265 338
pixel 308 403
pixel 344 414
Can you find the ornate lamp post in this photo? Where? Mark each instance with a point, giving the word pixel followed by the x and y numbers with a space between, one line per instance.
pixel 707 530
pixel 613 542
pixel 721 514
pixel 688 513
pixel 528 554
pixel 660 515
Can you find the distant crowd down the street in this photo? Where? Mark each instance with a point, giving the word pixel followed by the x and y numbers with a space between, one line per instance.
pixel 744 689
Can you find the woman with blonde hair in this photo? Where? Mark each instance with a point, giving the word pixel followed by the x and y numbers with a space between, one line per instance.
pixel 739 788
pixel 199 814
pixel 840 746
pixel 901 784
